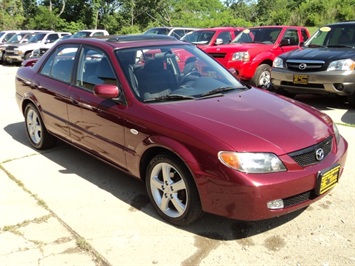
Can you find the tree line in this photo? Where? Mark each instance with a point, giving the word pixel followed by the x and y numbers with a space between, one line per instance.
pixel 134 16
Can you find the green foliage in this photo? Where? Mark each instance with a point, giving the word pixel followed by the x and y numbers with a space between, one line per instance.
pixel 133 16
pixel 11 14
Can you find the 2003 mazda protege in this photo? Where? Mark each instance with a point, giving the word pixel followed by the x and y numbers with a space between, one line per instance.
pixel 165 112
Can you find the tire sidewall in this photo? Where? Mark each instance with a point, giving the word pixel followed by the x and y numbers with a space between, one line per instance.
pixel 193 209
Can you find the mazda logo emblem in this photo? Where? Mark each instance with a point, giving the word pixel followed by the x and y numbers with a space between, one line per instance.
pixel 302 66
pixel 319 154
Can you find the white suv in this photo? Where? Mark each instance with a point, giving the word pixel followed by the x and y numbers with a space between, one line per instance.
pixel 90 33
pixel 177 32
pixel 22 51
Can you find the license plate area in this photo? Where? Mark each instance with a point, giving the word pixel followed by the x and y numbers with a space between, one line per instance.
pixel 300 79
pixel 327 179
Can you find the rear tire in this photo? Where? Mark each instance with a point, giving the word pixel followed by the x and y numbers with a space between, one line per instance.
pixel 172 190
pixel 35 129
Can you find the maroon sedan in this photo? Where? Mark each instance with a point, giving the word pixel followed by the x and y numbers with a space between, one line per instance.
pixel 200 140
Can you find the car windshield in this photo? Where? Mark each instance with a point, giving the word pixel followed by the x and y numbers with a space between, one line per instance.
pixel 258 35
pixel 16 38
pixel 176 72
pixel 37 37
pixel 164 31
pixel 199 37
pixel 333 36
pixel 81 34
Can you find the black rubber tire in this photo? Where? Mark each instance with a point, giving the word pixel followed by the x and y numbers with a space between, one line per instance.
pixel 351 100
pixel 27 55
pixel 176 187
pixel 35 129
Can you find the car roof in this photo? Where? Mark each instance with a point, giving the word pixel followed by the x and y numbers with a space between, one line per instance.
pixel 126 41
pixel 276 26
pixel 220 28
pixel 350 22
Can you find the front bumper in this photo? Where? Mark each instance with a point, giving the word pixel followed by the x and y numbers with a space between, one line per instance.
pixel 247 198
pixel 322 82
pixel 12 57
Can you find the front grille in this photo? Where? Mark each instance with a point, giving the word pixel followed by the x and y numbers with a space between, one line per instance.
pixel 305 65
pixel 10 48
pixel 294 200
pixel 217 55
pixel 309 85
pixel 307 156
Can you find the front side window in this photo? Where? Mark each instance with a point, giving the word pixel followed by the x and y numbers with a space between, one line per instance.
pixel 225 36
pixel 52 37
pixel 291 36
pixel 94 68
pixel 61 63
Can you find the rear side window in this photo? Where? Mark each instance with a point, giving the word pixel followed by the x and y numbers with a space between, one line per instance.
pixel 60 64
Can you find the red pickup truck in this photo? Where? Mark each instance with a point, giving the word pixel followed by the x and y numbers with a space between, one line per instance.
pixel 252 52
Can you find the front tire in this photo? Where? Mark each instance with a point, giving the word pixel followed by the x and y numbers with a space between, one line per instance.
pixel 35 129
pixel 262 77
pixel 172 190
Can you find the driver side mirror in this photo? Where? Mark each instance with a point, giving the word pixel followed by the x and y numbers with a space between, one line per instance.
pixel 285 42
pixel 107 91
pixel 219 41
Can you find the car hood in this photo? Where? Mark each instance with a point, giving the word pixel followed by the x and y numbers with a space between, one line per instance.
pixel 252 120
pixel 325 54
pixel 235 47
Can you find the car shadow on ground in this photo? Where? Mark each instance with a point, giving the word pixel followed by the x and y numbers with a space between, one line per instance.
pixel 132 191
pixel 331 102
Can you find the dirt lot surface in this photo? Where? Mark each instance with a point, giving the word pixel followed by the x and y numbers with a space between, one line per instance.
pixel 63 207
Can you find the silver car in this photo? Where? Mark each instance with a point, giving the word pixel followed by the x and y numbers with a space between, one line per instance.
pixel 325 64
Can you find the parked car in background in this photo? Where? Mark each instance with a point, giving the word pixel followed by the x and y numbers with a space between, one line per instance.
pixel 176 32
pixel 200 140
pixel 43 49
pixel 90 33
pixel 204 38
pixel 7 34
pixel 325 64
pixel 252 52
pixel 20 52
pixel 21 37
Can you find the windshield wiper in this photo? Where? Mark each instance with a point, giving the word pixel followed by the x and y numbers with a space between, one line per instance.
pixel 169 97
pixel 217 91
pixel 339 46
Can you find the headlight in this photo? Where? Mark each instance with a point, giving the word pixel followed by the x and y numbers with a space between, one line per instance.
pixel 336 133
pixel 344 65
pixel 241 56
pixel 278 62
pixel 35 53
pixel 252 162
